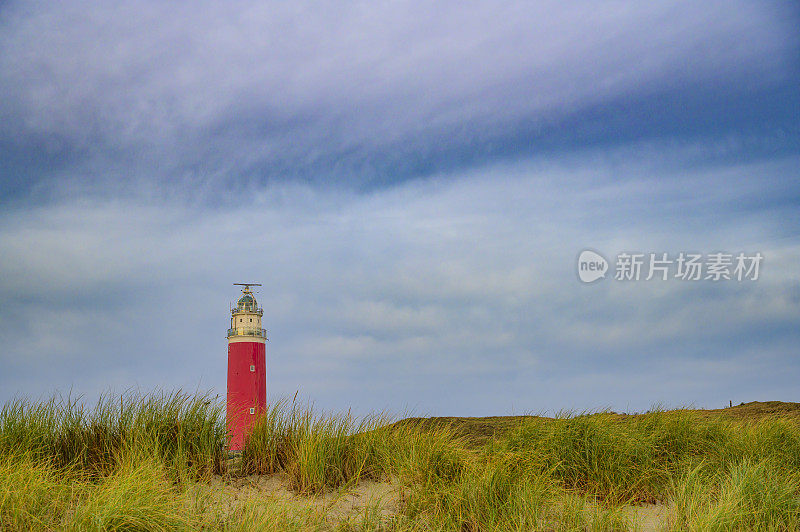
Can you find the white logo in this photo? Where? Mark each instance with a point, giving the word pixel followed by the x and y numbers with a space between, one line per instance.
pixel 591 266
pixel 685 266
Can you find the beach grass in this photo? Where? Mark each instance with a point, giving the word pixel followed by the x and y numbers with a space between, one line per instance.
pixel 147 462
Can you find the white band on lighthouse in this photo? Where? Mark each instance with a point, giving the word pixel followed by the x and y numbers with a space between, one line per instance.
pixel 245 335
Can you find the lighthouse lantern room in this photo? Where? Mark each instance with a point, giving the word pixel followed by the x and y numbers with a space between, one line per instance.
pixel 247 367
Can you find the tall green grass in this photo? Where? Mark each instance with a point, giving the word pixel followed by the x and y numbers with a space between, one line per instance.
pixel 137 495
pixel 634 458
pixel 33 495
pixel 184 430
pixel 322 452
pixel 445 485
pixel 132 463
pixel 747 495
pixel 317 452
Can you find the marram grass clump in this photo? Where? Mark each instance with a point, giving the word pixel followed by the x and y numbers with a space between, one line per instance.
pixel 744 495
pixel 184 430
pixel 317 452
pixel 635 459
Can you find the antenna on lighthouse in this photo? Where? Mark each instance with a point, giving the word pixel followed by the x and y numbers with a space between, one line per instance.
pixel 246 285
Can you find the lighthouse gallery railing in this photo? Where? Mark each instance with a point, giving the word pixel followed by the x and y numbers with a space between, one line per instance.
pixel 247 331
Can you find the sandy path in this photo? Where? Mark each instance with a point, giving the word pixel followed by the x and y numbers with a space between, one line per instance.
pixel 228 494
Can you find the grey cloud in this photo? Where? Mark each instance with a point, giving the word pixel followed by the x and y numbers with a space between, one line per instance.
pixel 444 296
pixel 211 94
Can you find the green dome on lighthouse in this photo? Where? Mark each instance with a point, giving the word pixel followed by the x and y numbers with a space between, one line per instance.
pixel 247 302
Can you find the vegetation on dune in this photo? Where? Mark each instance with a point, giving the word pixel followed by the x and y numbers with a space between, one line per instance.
pixel 635 458
pixel 137 463
pixel 317 452
pixel 186 432
pixel 742 495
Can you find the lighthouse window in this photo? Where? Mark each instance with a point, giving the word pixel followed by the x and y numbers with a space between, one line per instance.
pixel 252 368
pixel 251 320
pixel 252 410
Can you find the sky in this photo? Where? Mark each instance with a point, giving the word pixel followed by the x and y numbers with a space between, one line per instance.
pixel 412 184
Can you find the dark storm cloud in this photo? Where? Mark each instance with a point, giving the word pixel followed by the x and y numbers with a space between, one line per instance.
pixel 210 94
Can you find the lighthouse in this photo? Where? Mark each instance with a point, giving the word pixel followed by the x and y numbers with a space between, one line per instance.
pixel 247 367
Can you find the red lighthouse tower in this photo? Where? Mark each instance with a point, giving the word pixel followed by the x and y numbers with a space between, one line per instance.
pixel 247 367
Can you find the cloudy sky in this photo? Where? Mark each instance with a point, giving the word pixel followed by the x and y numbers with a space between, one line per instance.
pixel 412 184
